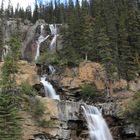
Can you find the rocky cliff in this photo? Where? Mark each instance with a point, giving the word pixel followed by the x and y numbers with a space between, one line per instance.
pixel 63 119
pixel 44 118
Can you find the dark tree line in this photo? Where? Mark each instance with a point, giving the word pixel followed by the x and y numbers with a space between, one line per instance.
pixel 105 31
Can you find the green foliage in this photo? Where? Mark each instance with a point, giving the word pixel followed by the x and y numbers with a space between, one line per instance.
pixel 10 122
pixel 102 31
pixel 9 95
pixel 46 124
pixel 27 89
pixel 52 58
pixel 37 109
pixel 89 91
pixel 10 67
pixel 57 58
pixel 133 111
pixel 1 40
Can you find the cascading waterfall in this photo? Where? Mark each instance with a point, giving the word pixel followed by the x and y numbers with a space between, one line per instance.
pixel 97 126
pixel 49 90
pixel 51 69
pixel 53 29
pixel 5 51
pixel 40 40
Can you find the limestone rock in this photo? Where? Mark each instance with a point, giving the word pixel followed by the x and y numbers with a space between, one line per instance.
pixel 51 107
pixel 88 73
pixel 26 73
pixel 134 85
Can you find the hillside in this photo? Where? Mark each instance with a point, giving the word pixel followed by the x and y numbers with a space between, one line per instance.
pixel 70 71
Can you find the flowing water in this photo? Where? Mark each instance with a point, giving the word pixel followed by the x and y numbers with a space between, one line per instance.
pixel 53 29
pixel 51 69
pixel 5 51
pixel 97 126
pixel 40 40
pixel 49 90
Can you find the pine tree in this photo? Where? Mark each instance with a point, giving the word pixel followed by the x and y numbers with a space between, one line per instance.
pixel 9 117
pixel 1 39
pixel 35 12
pixel 87 48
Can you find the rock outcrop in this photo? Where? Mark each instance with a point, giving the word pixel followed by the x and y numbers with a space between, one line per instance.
pixel 26 73
pixel 90 73
pixel 64 120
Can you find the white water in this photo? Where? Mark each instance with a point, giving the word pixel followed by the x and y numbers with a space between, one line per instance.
pixel 40 40
pixel 53 29
pixel 97 126
pixel 49 90
pixel 51 69
pixel 5 51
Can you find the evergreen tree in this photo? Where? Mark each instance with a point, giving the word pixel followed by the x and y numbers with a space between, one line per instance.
pixel 35 12
pixel 1 39
pixel 9 117
pixel 87 47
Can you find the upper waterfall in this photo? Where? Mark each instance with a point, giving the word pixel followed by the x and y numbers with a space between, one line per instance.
pixel 39 41
pixel 53 32
pixel 53 29
pixel 97 126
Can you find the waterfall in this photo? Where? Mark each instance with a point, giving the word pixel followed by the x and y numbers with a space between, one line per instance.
pixel 97 126
pixel 49 90
pixel 53 29
pixel 51 69
pixel 40 40
pixel 5 51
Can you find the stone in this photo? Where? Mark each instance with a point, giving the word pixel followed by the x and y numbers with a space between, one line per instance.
pixel 134 85
pixel 26 73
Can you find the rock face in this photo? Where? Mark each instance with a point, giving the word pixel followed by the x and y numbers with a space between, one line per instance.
pixel 67 121
pixel 90 73
pixel 29 34
pixel 64 115
pixel 26 73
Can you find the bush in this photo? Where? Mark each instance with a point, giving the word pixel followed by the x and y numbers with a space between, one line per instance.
pixel 27 89
pixel 51 58
pixel 59 58
pixel 37 110
pixel 46 124
pixel 133 110
pixel 89 91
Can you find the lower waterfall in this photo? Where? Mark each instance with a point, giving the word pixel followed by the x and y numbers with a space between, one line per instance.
pixel 49 90
pixel 98 129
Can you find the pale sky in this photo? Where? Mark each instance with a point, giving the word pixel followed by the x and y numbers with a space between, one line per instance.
pixel 22 3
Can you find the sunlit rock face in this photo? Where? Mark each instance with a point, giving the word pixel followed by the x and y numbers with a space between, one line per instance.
pixel 90 73
pixel 26 73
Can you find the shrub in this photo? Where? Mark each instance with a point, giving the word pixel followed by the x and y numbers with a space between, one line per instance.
pixel 37 110
pixel 27 89
pixel 89 91
pixel 59 58
pixel 46 124
pixel 133 110
pixel 52 58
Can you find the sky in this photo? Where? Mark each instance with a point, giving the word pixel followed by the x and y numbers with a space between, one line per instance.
pixel 22 3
